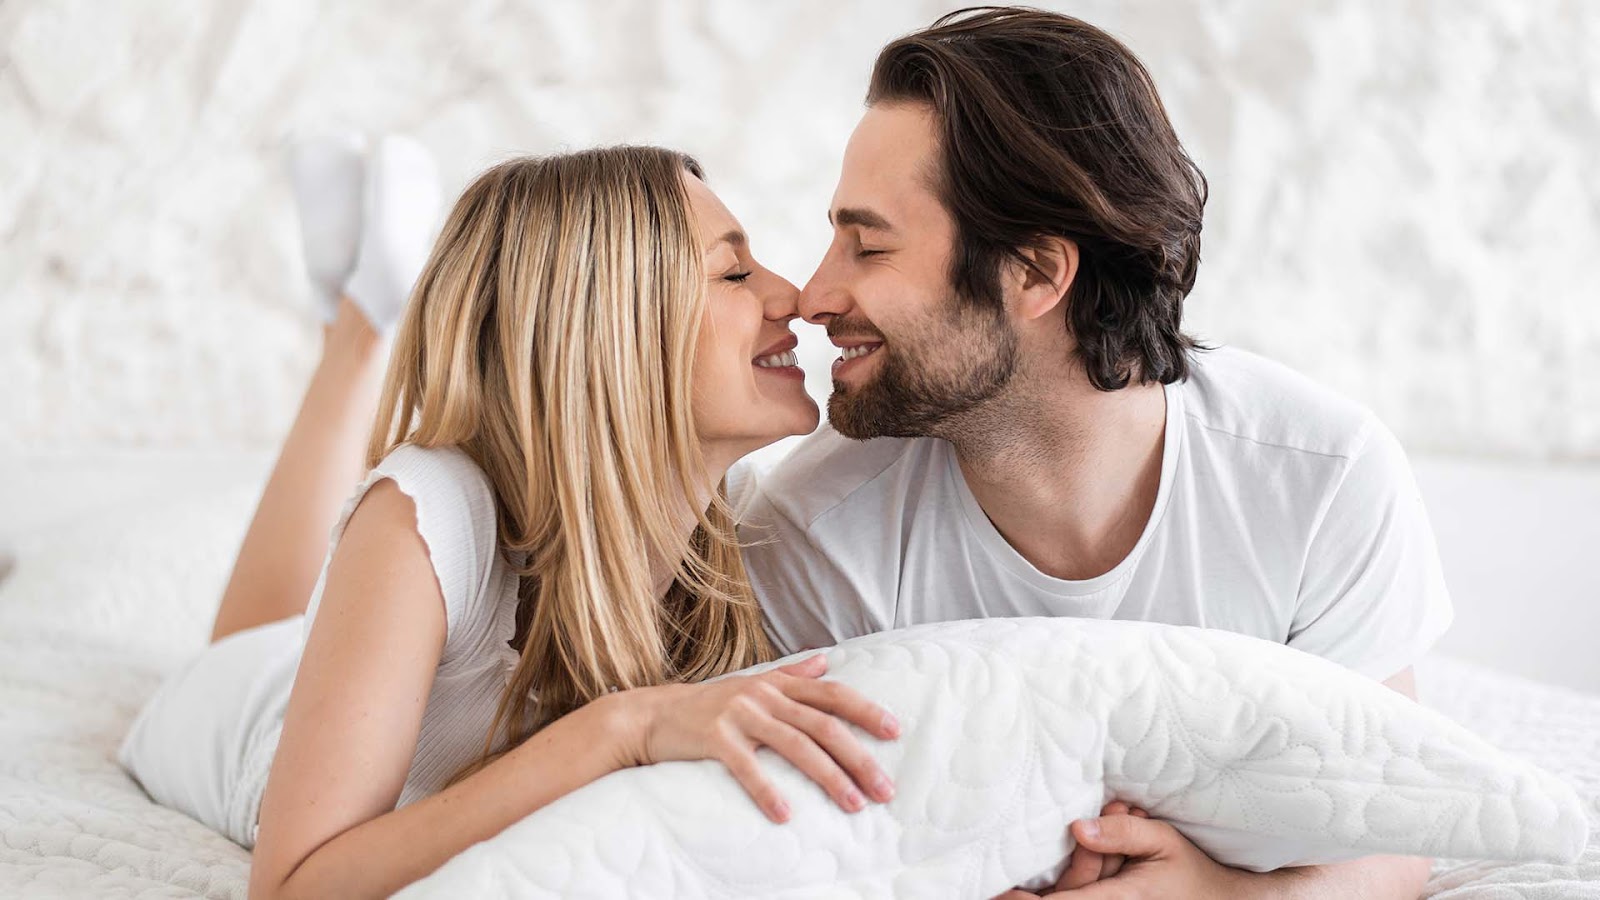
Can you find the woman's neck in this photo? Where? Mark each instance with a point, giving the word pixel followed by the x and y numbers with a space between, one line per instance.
pixel 705 488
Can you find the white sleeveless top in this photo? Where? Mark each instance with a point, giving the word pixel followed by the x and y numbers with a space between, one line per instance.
pixel 456 519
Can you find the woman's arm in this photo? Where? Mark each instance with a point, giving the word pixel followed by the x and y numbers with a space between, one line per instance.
pixel 381 856
pixel 328 823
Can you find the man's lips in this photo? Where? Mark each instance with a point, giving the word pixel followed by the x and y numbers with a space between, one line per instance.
pixel 854 340
pixel 853 353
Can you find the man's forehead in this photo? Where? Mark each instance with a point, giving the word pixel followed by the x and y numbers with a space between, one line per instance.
pixel 887 165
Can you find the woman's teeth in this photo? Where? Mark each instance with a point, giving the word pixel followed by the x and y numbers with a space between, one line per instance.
pixel 850 353
pixel 778 360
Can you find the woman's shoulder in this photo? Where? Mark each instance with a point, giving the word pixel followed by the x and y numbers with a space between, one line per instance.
pixel 455 516
pixel 444 465
pixel 443 477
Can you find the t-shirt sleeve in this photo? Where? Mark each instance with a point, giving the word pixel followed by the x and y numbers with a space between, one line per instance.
pixel 1372 594
pixel 456 520
pixel 807 600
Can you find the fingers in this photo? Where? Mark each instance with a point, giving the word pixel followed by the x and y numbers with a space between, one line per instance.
pixel 1115 861
pixel 1105 865
pixel 1083 867
pixel 1127 835
pixel 741 762
pixel 831 735
pixel 844 702
pixel 810 667
pixel 1118 808
pixel 1111 864
pixel 801 750
pixel 804 720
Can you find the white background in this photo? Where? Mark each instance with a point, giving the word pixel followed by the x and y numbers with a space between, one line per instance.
pixel 1405 205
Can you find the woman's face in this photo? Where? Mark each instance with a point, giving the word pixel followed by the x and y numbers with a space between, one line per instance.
pixel 748 387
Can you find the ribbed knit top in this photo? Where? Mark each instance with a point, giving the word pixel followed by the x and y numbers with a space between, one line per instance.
pixel 456 519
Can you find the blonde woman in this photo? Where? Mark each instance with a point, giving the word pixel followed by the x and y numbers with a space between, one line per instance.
pixel 538 569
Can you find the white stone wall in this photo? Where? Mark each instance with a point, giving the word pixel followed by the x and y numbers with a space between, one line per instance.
pixel 1405 193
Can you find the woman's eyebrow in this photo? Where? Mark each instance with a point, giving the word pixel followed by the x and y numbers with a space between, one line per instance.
pixel 735 237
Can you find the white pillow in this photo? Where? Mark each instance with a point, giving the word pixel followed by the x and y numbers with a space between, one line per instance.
pixel 1262 755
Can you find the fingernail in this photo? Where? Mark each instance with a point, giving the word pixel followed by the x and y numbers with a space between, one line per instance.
pixel 853 801
pixel 891 725
pixel 1091 828
pixel 781 811
pixel 884 788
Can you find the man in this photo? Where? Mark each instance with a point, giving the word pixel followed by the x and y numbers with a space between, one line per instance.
pixel 1019 425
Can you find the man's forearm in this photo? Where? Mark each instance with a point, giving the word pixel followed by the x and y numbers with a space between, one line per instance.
pixel 1369 878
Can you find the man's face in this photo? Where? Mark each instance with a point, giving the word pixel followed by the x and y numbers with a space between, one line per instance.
pixel 914 354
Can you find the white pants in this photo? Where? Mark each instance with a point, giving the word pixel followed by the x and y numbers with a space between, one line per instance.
pixel 203 743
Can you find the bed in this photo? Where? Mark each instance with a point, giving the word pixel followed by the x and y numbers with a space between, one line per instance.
pixel 78 655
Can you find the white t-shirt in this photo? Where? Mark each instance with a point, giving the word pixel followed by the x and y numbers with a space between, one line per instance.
pixel 1284 512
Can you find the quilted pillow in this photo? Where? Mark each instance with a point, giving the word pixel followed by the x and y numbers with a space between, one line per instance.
pixel 1262 755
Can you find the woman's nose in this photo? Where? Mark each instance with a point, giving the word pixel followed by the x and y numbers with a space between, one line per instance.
pixel 782 302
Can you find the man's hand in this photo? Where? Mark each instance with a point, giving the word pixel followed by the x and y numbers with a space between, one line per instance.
pixel 1160 863
pixel 1086 866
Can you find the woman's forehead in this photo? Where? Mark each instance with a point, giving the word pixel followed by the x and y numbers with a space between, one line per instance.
pixel 712 217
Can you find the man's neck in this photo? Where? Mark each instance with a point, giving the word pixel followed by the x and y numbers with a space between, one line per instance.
pixel 1067 473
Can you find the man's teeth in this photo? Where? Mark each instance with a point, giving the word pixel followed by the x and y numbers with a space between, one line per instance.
pixel 778 360
pixel 852 352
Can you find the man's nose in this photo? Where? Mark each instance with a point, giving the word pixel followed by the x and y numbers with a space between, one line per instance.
pixel 824 295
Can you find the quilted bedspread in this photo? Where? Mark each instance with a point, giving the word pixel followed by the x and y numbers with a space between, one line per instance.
pixel 72 824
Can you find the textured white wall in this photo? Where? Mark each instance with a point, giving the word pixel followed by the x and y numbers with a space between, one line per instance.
pixel 1406 195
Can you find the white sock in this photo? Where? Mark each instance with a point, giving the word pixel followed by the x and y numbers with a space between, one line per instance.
pixel 401 210
pixel 328 172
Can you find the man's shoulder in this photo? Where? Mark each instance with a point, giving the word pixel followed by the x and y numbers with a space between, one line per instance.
pixel 827 471
pixel 1234 394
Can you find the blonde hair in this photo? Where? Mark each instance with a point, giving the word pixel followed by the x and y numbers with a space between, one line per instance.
pixel 551 337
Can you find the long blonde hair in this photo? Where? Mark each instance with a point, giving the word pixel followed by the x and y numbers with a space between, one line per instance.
pixel 551 337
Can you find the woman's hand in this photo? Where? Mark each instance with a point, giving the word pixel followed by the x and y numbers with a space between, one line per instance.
pixel 787 709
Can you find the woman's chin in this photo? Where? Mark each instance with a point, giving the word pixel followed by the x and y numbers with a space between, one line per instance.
pixel 807 417
pixel 798 420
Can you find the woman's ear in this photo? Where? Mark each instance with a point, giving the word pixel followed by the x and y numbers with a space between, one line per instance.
pixel 1043 286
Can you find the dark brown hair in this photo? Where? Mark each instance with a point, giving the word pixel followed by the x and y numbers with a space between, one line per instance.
pixel 1051 127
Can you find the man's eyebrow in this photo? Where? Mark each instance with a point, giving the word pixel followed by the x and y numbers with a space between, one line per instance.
pixel 735 237
pixel 859 217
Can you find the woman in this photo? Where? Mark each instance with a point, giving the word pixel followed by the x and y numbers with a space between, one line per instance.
pixel 529 586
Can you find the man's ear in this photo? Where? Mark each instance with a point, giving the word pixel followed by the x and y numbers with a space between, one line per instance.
pixel 1043 286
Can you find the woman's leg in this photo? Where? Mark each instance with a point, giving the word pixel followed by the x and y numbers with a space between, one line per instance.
pixel 367 221
pixel 322 459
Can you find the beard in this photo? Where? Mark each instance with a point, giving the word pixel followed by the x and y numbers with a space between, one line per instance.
pixel 928 381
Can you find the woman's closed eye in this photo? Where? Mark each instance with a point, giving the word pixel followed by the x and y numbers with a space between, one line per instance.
pixel 736 277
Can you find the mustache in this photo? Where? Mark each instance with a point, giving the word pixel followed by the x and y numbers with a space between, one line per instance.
pixel 853 328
